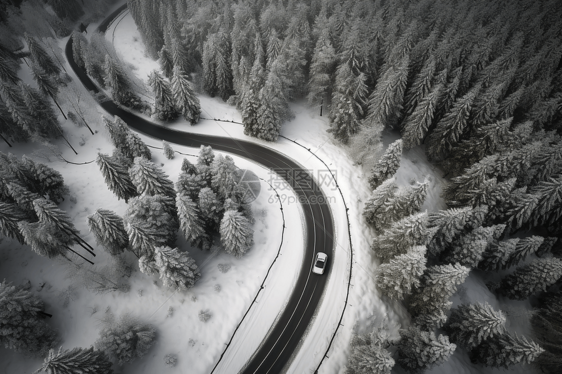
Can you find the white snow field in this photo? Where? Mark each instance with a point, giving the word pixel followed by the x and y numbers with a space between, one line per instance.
pixel 79 313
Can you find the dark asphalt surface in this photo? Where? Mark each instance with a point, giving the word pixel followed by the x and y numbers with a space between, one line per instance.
pixel 276 350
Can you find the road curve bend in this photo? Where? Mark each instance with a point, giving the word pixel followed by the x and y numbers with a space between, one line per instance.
pixel 282 339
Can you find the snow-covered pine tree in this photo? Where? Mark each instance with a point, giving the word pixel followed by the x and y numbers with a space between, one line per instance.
pixel 117 80
pixel 547 210
pixel 164 108
pixel 135 147
pixel 191 224
pixel 387 166
pixel 386 101
pixel 168 150
pixel 22 326
pixel 470 180
pixel 185 99
pixel 421 85
pixel 9 128
pixel 322 69
pixel 181 56
pixel 217 70
pixel 369 355
pixel 497 256
pixel 400 275
pixel 469 249
pixel 165 61
pixel 547 163
pixel 449 129
pixel 348 101
pixel 490 193
pixel 177 270
pixel 49 213
pixel 547 245
pixel 237 234
pixel 46 122
pixel 408 201
pixel 452 223
pixel 438 284
pixel 153 219
pixel 471 324
pixel 147 265
pixel 76 361
pixel 377 203
pixel 126 339
pixel 187 167
pixel 149 179
pixel 420 350
pixel 23 199
pixel 116 177
pixel 524 247
pixel 505 350
pixel 14 103
pixel 10 215
pixel 190 185
pixel 416 125
pixel 41 57
pixel 79 48
pixel 44 238
pixel 206 155
pixel 532 278
pixel 109 231
pixel 225 179
pixel 117 130
pixel 396 240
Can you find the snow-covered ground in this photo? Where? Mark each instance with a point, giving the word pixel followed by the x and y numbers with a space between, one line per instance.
pixel 78 313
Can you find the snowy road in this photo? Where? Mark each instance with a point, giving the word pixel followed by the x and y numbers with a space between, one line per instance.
pixel 278 347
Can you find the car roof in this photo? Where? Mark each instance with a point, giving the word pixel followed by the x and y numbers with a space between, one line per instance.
pixel 321 255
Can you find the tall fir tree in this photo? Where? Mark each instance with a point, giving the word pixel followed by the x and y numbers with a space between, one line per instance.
pixel 420 350
pixel 471 324
pixel 322 69
pixel 49 213
pixel 191 224
pixel 506 350
pixel 377 203
pixel 165 61
pixel 387 166
pixel 185 99
pixel 217 71
pixel 236 233
pixel 396 240
pixel 76 361
pixel 532 278
pixel 177 270
pixel 41 57
pixel 150 179
pixel 369 355
pixel 109 231
pixel 10 215
pixel 469 249
pixel 225 177
pixel 116 177
pixel 497 256
pixel 400 275
pixel 417 124
pixel 164 108
pixel 22 326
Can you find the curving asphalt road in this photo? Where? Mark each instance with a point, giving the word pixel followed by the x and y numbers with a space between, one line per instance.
pixel 282 339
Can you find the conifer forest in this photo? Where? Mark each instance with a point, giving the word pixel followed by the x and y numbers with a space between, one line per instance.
pixel 169 171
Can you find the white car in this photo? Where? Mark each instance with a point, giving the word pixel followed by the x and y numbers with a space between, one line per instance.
pixel 320 263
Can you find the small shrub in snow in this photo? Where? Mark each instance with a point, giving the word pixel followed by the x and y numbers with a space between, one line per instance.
pixel 204 315
pixel 168 151
pixel 171 360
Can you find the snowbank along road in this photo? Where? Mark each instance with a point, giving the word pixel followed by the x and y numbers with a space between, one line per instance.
pixel 276 350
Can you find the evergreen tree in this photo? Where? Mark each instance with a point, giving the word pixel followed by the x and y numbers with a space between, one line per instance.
pixel 164 108
pixel 469 249
pixel 147 265
pixel 116 177
pixel 377 203
pixel 135 147
pixel 369 355
pixel 14 103
pixel 150 179
pixel 181 57
pixel 187 167
pixel 387 166
pixel 408 201
pixel 206 156
pixel 117 130
pixel 190 185
pixel 421 86
pixel 386 101
pixel 419 350
pixel 217 70
pixel 524 247
pixel 116 79
pixel 177 270
pixel 10 215
pixel 452 223
pixel 48 213
pixel 249 100
pixel 269 117
pixel 449 129
pixel 49 181
pixel 532 278
pixel 408 232
pixel 236 233
pixel 143 238
pixel 23 198
pixel 471 324
pixel 547 210
pixel 505 350
pixel 490 193
pixel 168 150
pixel 398 277
pixel 22 326
pixel 191 224
pixel 45 120
pixel 471 179
pixel 41 57
pixel 44 238
pixel 9 128
pixel 497 256
pixel 109 231
pixel 126 340
pixel 76 361
pixel 153 219
pixel 79 48
pixel 417 124
pixel 438 284
pixel 321 69
pixel 547 163
pixel 165 61
pixel 7 72
pixel 184 97
pixel 225 177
